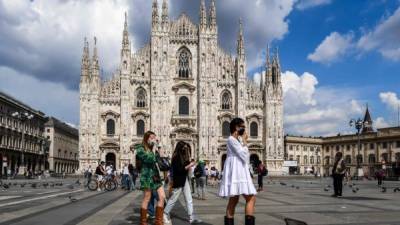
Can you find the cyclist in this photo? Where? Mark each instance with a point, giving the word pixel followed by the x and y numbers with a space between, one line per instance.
pixel 100 172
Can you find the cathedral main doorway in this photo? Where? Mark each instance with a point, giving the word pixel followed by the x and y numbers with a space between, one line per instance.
pixel 110 159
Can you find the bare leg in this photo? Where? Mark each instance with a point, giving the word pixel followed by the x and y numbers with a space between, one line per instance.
pixel 250 202
pixel 161 197
pixel 230 209
pixel 146 198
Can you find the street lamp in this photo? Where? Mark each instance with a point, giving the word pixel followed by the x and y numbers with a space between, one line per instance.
pixel 359 125
pixel 22 117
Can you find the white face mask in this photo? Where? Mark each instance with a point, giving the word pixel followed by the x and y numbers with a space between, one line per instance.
pixel 152 142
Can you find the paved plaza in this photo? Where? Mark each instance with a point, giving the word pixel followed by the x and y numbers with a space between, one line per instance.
pixel 303 199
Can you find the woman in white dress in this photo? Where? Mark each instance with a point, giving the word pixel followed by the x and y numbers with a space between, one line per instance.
pixel 237 180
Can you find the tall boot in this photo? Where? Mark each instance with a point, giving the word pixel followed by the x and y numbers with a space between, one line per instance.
pixel 143 216
pixel 159 216
pixel 228 221
pixel 250 220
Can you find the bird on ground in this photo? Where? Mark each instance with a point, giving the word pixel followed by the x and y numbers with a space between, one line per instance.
pixel 52 185
pixel 396 189
pixel 292 186
pixel 297 187
pixel 6 186
pixel 78 182
pixel 45 185
pixel 33 185
pixel 354 191
pixel 383 189
pixel 72 199
pixel 22 185
pixel 326 189
pixel 70 186
pixel 283 184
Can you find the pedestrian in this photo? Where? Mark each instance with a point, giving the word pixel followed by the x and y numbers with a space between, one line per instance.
pixel 181 165
pixel 261 173
pixel 237 180
pixel 126 183
pixel 150 179
pixel 338 171
pixel 380 174
pixel 132 176
pixel 207 175
pixel 200 174
pixel 88 174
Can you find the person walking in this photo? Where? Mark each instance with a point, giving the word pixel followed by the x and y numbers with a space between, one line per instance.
pixel 200 174
pixel 338 171
pixel 88 174
pixel 126 182
pixel 237 180
pixel 261 173
pixel 150 179
pixel 132 176
pixel 181 165
pixel 380 174
pixel 191 175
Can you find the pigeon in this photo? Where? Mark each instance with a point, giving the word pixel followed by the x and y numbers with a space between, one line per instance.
pixel 350 185
pixel 329 186
pixel 78 182
pixel 283 184
pixel 22 185
pixel 357 188
pixel 33 185
pixel 45 185
pixel 297 187
pixel 326 189
pixel 72 199
pixel 52 185
pixel 396 189
pixel 70 186
pixel 292 186
pixel 6 186
pixel 354 191
pixel 15 184
pixel 383 189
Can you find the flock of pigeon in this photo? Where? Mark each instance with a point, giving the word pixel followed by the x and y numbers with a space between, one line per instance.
pixel 327 188
pixel 6 186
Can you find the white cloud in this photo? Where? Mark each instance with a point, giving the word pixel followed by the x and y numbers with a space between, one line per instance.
pixel 390 99
pixel 53 99
pixel 313 110
pixel 332 47
pixel 306 4
pixel 384 38
pixel 381 123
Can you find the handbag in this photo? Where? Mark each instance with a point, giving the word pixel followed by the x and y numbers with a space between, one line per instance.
pixel 163 163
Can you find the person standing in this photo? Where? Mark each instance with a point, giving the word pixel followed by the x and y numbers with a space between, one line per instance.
pixel 181 165
pixel 237 180
pixel 100 173
pixel 191 175
pixel 150 179
pixel 88 174
pixel 380 174
pixel 132 176
pixel 338 171
pixel 126 182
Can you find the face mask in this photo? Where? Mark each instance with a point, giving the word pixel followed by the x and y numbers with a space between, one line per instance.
pixel 241 131
pixel 152 142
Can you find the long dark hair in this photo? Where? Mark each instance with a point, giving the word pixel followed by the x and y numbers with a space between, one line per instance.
pixel 146 137
pixel 182 152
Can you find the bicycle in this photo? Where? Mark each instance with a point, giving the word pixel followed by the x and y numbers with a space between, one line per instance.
pixel 108 183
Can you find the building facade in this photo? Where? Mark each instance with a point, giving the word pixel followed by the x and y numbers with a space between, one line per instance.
pixel 183 86
pixel 63 146
pixel 21 137
pixel 378 149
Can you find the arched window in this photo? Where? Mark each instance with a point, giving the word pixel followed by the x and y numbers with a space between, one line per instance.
pixel 141 98
pixel 327 160
pixel 253 129
pixel 225 129
pixel 347 159
pixel 110 127
pixel 385 157
pixel 184 60
pixel 305 160
pixel 183 105
pixel 311 159
pixel 226 101
pixel 140 128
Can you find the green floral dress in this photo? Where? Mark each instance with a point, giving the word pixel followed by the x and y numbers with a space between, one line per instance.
pixel 149 169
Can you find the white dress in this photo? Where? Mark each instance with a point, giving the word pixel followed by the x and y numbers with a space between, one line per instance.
pixel 236 179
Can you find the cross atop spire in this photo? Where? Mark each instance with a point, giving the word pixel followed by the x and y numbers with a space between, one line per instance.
pixel 367 121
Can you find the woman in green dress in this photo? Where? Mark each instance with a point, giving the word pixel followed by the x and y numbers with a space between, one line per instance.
pixel 150 179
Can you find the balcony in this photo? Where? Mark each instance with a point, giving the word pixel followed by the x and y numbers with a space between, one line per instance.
pixel 184 120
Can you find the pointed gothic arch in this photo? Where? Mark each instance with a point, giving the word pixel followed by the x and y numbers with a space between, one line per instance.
pixel 140 97
pixel 226 100
pixel 184 58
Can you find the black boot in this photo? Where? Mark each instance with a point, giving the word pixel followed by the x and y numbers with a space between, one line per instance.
pixel 250 220
pixel 229 221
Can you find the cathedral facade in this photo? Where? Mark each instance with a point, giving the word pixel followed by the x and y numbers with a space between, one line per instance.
pixel 182 86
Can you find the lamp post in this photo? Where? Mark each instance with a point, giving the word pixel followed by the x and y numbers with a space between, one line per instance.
pixel 22 117
pixel 359 125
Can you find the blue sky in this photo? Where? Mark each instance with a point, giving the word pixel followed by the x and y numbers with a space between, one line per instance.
pixel 336 55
